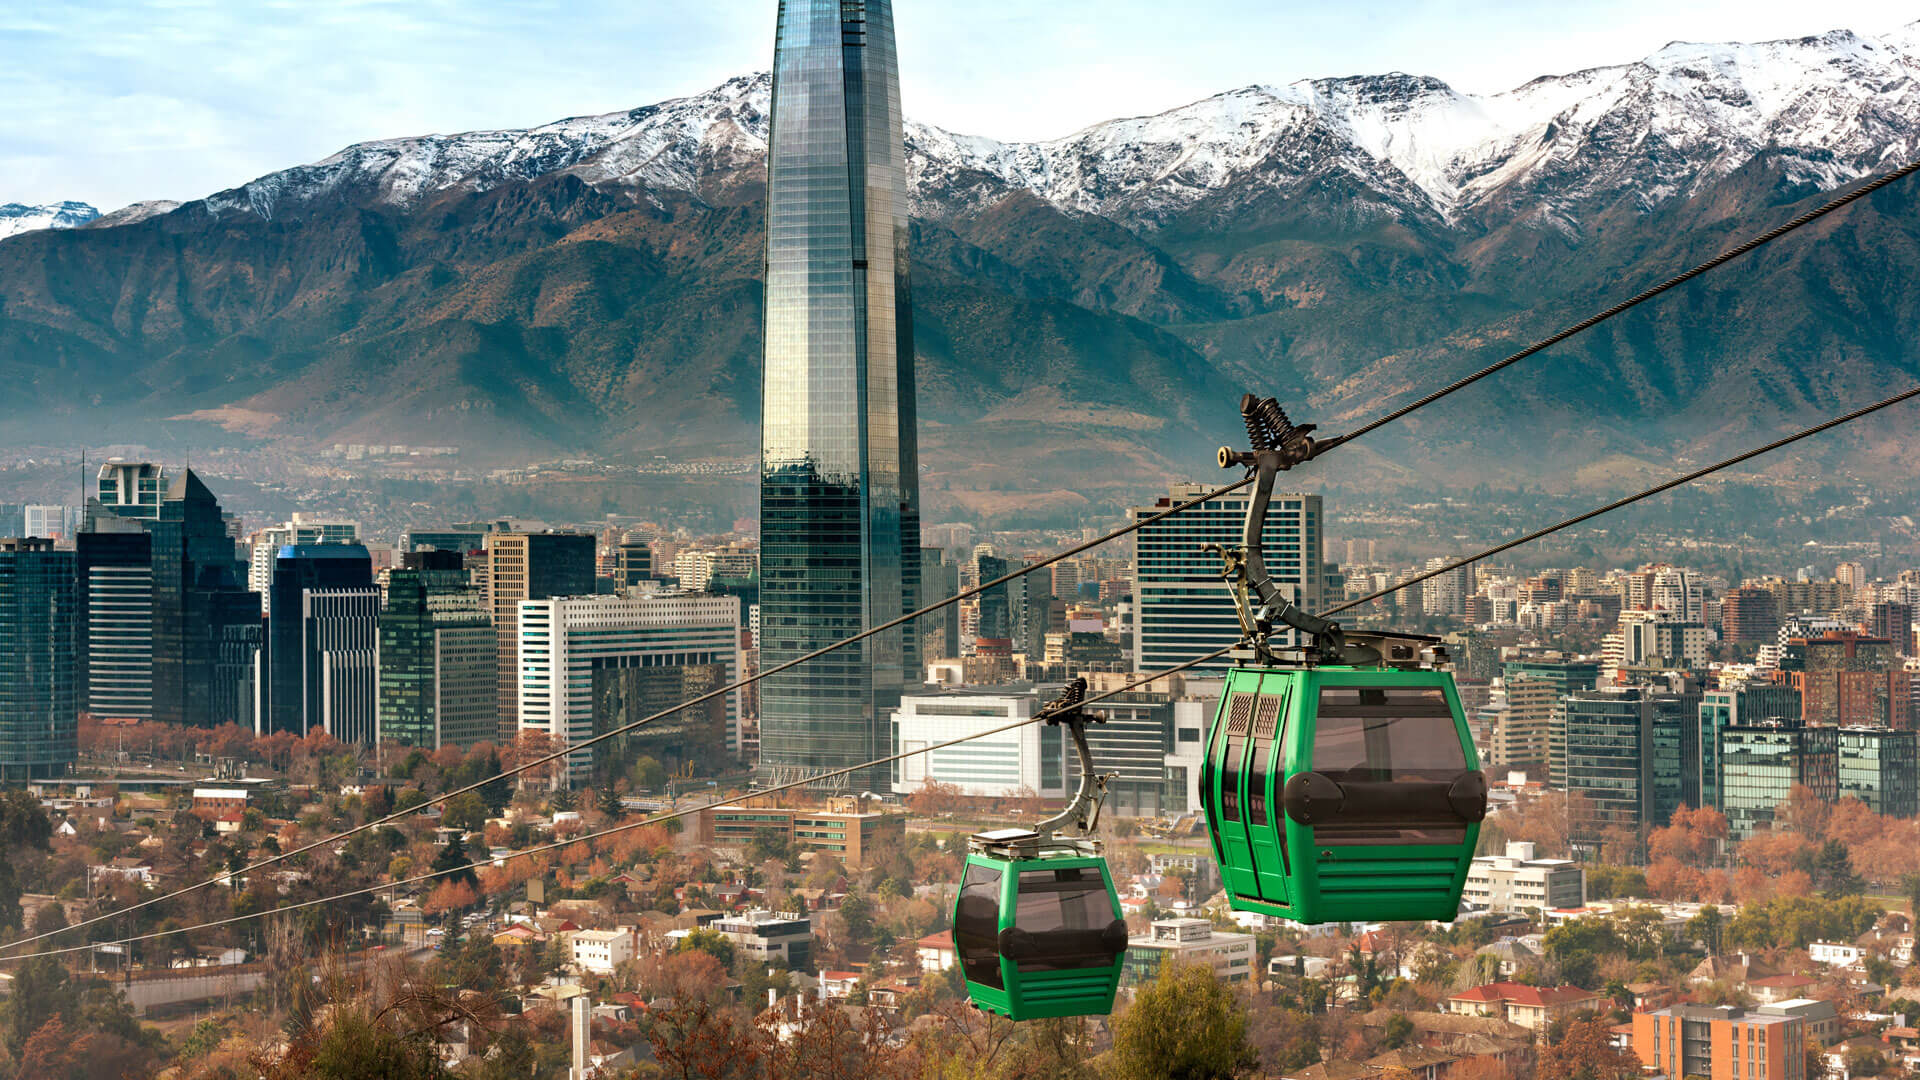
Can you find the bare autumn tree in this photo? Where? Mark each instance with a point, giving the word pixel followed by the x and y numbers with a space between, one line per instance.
pixel 1586 1052
pixel 700 1039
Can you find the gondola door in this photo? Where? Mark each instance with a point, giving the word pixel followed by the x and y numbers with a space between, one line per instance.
pixel 1265 777
pixel 1227 787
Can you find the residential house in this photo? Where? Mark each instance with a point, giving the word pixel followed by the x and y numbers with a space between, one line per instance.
pixel 1415 1061
pixel 1777 988
pixel 1836 953
pixel 599 952
pixel 1531 1007
pixel 936 951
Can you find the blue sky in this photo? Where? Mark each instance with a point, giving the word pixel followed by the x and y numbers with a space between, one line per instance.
pixel 112 101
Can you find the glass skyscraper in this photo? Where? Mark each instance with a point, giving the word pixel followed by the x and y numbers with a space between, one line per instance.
pixel 39 717
pixel 839 487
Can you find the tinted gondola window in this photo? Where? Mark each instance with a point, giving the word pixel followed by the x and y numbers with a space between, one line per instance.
pixel 976 924
pixel 1388 735
pixel 1066 912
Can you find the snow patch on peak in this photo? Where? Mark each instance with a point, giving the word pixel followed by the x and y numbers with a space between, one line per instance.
pixel 17 218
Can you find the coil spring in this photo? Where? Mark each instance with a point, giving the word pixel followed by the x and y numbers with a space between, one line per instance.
pixel 1267 423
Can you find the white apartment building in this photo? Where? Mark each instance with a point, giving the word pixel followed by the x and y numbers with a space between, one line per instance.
pixel 1517 880
pixel 303 529
pixel 1230 954
pixel 599 952
pixel 563 641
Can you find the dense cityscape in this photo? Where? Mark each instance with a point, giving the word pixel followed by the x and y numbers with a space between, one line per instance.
pixel 328 759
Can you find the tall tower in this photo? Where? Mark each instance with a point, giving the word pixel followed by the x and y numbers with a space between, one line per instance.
pixel 839 482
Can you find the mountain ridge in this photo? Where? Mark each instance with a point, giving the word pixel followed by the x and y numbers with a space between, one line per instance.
pixel 1340 242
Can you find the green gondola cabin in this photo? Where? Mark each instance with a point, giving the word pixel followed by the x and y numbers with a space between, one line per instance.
pixel 1039 936
pixel 1343 793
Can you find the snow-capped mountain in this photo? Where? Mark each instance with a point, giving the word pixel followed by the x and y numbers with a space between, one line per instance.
pixel 1830 108
pixel 16 218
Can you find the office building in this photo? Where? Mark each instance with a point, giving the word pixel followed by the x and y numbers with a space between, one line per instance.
pixel 633 562
pixel 1183 608
pixel 1627 758
pixel 129 489
pixel 322 640
pixel 839 489
pixel 206 621
pixel 1152 741
pixel 302 531
pixel 39 707
pixel 1566 676
pixel 113 635
pixel 1721 1041
pixel 1012 763
pixel 769 937
pixel 848 828
pixel 445 538
pixel 1230 955
pixel 522 566
pixel 1878 766
pixel 51 521
pixel 438 683
pixel 1760 764
pixel 1655 639
pixel 589 665
pixel 1517 881
pixel 1745 704
pixel 939 632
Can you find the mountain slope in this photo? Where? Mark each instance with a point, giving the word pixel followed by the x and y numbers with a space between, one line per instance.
pixel 1085 307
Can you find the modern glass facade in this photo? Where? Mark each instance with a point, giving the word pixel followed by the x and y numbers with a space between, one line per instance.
pixel 438 686
pixel 839 494
pixel 321 638
pixel 39 717
pixel 114 634
pixel 205 618
pixel 1761 763
pixel 1877 766
pixel 1609 761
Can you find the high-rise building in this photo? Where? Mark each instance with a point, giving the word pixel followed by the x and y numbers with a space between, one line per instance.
pixel 1523 729
pixel 1743 705
pixel 635 559
pixel 524 566
pixel 1625 758
pixel 839 488
pixel 447 538
pixel 1894 621
pixel 1849 679
pixel 39 714
pixel 1749 614
pixel 1566 676
pixel 1446 594
pixel 322 639
pixel 940 631
pixel 304 530
pixel 438 683
pixel 1878 766
pixel 592 664
pixel 206 622
pixel 114 631
pixel 1760 764
pixel 130 489
pixel 1183 609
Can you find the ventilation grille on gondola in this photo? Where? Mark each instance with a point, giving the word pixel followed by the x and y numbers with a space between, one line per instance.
pixel 1240 714
pixel 1266 717
pixel 1041 989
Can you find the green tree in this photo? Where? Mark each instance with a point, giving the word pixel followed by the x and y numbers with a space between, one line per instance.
pixel 465 811
pixel 1399 1029
pixel 1706 928
pixel 607 797
pixel 41 991
pixel 769 843
pixel 1833 869
pixel 857 912
pixel 709 941
pixel 647 774
pixel 454 864
pixel 23 827
pixel 1184 1025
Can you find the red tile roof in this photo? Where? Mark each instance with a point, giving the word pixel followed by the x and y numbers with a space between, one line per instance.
pixel 1522 994
pixel 941 939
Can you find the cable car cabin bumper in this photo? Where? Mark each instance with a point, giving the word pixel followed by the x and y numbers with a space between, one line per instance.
pixel 1039 937
pixel 1339 794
